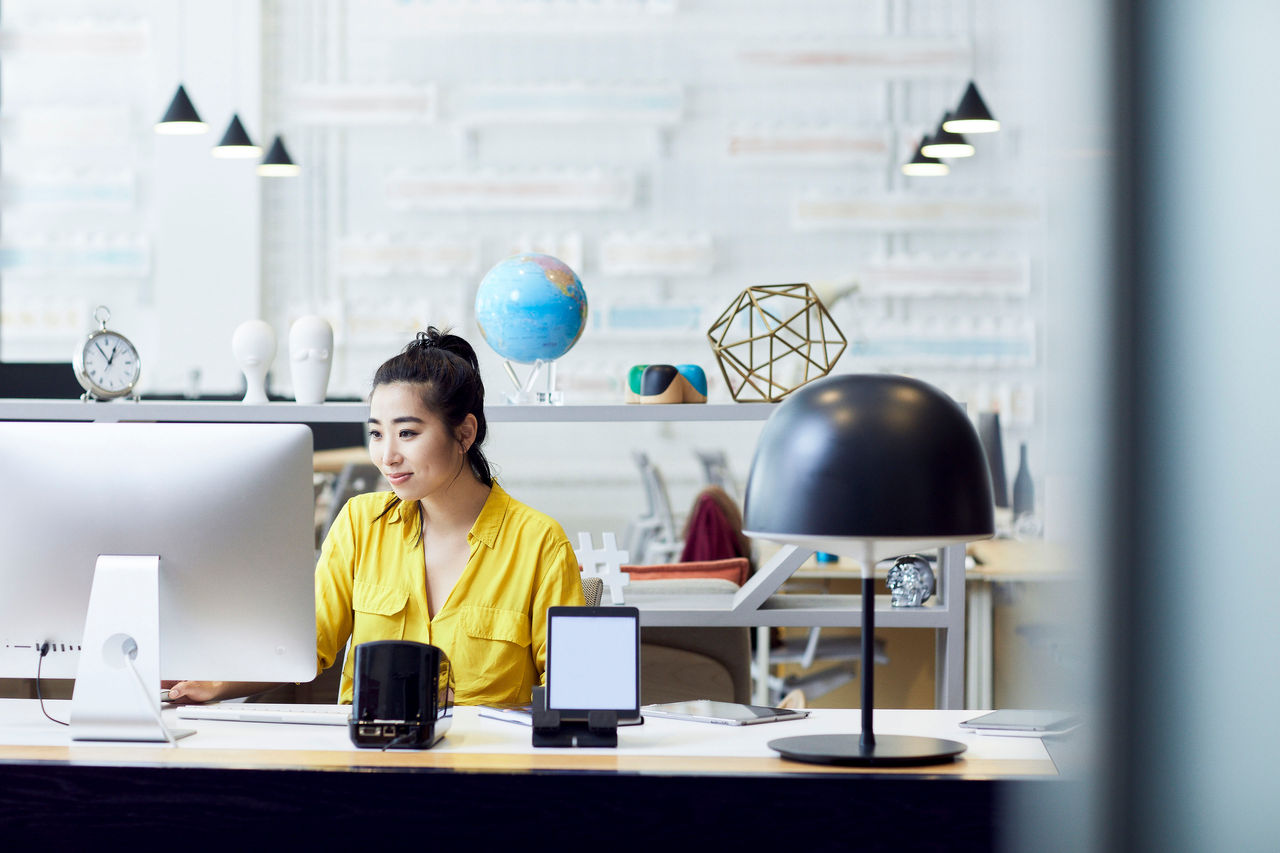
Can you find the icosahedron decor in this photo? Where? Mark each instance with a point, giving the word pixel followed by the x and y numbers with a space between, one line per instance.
pixel 773 339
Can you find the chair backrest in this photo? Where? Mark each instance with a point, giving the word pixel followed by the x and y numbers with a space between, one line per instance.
pixel 655 493
pixel 715 471
pixel 592 590
pixel 653 536
pixel 680 663
pixel 356 479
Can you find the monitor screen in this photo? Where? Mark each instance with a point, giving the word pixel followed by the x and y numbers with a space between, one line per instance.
pixel 593 659
pixel 228 510
pixel 52 380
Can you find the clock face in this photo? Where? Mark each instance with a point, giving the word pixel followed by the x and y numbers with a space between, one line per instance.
pixel 111 363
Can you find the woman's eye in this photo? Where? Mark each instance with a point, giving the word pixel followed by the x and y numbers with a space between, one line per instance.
pixel 407 433
pixel 374 434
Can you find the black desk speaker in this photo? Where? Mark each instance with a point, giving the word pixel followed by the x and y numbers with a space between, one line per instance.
pixel 402 698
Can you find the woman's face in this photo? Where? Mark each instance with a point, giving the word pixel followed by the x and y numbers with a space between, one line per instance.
pixel 412 447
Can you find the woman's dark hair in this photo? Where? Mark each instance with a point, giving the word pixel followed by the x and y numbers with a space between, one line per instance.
pixel 445 369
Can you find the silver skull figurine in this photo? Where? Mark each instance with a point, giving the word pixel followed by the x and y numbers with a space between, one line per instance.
pixel 910 581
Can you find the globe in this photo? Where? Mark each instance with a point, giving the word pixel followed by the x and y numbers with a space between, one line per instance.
pixel 531 307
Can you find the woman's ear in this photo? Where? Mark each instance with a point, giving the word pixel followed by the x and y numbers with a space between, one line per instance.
pixel 466 432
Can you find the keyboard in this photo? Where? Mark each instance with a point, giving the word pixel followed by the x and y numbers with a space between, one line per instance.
pixel 264 712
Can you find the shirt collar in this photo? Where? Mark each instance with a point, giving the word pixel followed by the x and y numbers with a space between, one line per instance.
pixel 487 524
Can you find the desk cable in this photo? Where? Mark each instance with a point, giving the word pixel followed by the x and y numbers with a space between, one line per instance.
pixel 44 650
pixel 130 650
pixel 404 738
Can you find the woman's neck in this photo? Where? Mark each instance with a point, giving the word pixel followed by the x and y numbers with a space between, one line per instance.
pixel 457 507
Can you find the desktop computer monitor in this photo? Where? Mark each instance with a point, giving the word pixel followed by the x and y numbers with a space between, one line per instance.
pixel 144 551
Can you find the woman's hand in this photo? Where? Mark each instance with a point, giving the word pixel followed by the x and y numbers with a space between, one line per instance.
pixel 193 692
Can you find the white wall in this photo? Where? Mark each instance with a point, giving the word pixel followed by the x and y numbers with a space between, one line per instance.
pixel 98 209
pixel 753 142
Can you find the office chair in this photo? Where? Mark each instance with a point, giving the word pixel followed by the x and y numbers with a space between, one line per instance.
pixel 715 472
pixel 356 478
pixel 651 538
pixel 678 663
pixel 592 590
pixel 810 649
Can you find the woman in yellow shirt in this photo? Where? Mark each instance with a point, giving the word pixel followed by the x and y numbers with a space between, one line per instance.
pixel 447 557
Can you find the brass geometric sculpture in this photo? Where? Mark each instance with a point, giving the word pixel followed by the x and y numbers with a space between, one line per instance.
pixel 772 339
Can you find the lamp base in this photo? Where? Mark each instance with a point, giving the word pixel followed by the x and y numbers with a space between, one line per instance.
pixel 888 751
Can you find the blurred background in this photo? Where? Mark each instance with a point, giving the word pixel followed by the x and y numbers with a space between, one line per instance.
pixel 1098 273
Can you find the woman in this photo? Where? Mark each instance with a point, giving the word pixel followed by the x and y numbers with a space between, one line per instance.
pixel 447 557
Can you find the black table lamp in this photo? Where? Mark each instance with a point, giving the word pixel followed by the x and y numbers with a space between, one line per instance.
pixel 858 464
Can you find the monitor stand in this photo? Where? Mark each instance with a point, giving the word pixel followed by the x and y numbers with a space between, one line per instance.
pixel 117 690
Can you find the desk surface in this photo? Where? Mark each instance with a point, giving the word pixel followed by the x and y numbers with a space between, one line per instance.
pixel 479 743
pixel 669 785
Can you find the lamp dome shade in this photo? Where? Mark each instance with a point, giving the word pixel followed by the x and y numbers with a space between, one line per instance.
pixel 861 457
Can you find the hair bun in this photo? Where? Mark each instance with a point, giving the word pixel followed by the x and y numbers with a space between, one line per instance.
pixel 428 339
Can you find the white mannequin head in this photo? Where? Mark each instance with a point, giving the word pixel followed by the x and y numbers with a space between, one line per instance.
pixel 254 346
pixel 310 356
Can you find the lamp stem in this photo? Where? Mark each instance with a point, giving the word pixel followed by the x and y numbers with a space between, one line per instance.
pixel 868 643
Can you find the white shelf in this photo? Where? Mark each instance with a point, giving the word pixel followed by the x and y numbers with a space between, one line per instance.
pixel 783 610
pixel 754 604
pixel 184 410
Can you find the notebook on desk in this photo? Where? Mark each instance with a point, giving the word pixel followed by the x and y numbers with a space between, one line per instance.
pixel 262 712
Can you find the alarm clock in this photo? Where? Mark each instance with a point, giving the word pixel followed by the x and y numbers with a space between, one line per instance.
pixel 106 363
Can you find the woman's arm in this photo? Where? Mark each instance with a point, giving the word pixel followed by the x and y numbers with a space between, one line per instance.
pixel 335 573
pixel 561 585
pixel 192 692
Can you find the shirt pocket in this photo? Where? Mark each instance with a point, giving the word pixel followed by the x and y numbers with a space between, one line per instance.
pixel 379 612
pixel 496 657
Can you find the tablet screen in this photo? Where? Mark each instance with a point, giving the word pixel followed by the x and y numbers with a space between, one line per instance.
pixel 593 659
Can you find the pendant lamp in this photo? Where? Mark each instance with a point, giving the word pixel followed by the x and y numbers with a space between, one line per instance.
pixel 922 166
pixel 235 143
pixel 945 143
pixel 972 115
pixel 278 163
pixel 181 117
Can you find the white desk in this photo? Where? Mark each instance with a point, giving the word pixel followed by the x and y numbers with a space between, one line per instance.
pixel 669 785
pixel 24 730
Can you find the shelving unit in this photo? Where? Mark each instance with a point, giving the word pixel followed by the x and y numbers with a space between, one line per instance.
pixel 759 603
pixel 221 412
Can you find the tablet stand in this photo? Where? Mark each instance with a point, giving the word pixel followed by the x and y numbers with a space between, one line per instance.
pixel 599 729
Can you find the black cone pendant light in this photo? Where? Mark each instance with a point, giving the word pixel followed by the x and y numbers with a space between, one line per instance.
pixel 181 117
pixel 972 115
pixel 922 166
pixel 236 142
pixel 946 144
pixel 278 163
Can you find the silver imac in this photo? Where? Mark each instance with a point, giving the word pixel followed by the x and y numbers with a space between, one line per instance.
pixel 141 551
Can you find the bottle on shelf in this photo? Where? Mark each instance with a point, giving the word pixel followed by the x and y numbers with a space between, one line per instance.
pixel 1024 498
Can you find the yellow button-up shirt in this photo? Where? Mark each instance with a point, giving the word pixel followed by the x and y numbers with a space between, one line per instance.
pixel 371 585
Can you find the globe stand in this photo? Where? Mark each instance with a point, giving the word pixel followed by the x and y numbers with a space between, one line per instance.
pixel 525 392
